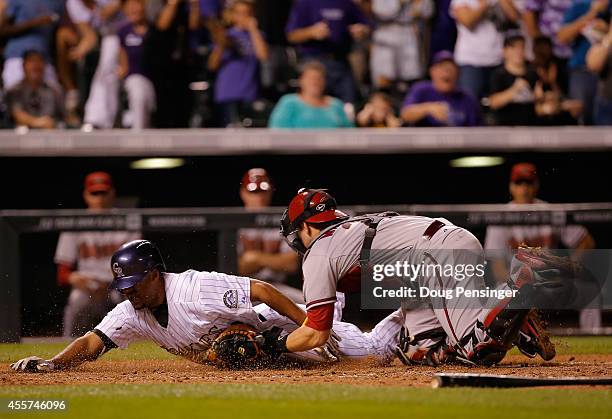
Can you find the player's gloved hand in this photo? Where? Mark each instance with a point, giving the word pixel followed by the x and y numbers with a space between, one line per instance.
pixel 33 364
pixel 272 343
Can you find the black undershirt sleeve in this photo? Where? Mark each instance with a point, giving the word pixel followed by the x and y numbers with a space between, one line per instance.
pixel 108 343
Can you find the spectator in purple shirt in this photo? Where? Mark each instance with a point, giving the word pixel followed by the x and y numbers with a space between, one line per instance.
pixel 325 30
pixel 443 29
pixel 545 17
pixel 439 102
pixel 211 8
pixel 133 67
pixel 236 58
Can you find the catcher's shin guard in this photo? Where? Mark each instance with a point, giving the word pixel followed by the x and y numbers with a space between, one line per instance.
pixel 510 322
pixel 541 280
pixel 504 321
pixel 491 338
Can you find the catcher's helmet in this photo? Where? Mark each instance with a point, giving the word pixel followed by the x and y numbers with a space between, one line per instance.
pixel 309 205
pixel 133 261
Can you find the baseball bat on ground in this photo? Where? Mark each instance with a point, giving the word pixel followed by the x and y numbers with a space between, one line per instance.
pixel 508 381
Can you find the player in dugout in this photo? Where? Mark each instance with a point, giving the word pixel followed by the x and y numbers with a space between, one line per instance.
pixel 262 253
pixel 82 259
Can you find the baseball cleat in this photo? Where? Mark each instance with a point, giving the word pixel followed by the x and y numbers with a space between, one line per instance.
pixel 533 338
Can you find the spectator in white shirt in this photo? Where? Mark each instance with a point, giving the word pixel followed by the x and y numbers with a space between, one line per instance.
pixel 480 40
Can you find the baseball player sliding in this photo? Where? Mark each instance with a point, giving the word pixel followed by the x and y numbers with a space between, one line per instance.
pixel 336 249
pixel 194 314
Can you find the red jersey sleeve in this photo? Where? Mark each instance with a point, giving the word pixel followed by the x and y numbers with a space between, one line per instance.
pixel 321 317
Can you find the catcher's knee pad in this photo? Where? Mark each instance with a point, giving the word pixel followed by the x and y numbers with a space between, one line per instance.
pixel 479 348
pixel 488 353
pixel 427 348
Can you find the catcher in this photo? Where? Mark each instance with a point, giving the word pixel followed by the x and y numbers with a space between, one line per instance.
pixel 207 317
pixel 337 249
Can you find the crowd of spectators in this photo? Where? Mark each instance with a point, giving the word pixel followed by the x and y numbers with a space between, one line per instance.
pixel 96 64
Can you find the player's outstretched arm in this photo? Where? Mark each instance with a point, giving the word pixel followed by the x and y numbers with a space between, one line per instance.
pixel 86 348
pixel 277 301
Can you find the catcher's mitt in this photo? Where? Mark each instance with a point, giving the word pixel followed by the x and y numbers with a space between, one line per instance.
pixel 540 259
pixel 236 347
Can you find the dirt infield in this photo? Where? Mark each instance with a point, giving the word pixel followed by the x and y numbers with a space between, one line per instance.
pixel 348 372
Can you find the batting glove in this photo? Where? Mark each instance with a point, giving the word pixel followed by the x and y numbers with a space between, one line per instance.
pixel 33 364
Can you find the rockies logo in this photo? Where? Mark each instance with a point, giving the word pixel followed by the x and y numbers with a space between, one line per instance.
pixel 117 269
pixel 230 298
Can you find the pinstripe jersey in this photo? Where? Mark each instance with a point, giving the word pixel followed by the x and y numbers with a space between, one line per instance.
pixel 200 306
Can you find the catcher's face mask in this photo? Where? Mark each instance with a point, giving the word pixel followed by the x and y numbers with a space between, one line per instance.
pixel 312 205
pixel 290 233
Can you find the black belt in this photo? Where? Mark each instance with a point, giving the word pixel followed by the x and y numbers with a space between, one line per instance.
pixel 433 229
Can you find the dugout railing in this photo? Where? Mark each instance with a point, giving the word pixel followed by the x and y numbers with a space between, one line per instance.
pixel 226 221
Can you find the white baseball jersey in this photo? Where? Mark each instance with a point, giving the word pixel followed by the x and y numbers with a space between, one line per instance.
pixel 203 304
pixel 90 251
pixel 546 236
pixel 266 240
pixel 200 306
